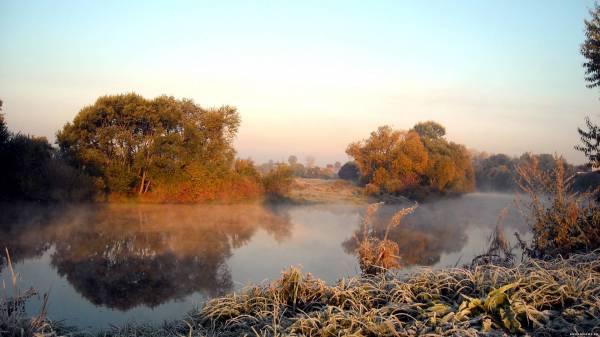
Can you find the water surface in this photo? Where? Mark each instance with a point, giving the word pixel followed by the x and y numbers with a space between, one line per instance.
pixel 110 264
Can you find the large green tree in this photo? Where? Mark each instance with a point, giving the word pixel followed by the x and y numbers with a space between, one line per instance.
pixel 590 49
pixel 129 143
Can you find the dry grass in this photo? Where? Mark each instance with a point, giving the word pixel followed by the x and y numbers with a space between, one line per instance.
pixel 562 222
pixel 537 297
pixel 378 255
pixel 305 190
pixel 13 318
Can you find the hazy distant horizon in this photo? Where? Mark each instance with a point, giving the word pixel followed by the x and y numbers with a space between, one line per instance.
pixel 309 78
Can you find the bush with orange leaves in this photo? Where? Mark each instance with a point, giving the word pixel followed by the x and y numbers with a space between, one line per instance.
pixel 415 163
pixel 562 222
pixel 200 183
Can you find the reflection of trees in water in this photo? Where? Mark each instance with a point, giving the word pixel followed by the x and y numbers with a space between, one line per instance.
pixel 22 231
pixel 439 227
pixel 123 256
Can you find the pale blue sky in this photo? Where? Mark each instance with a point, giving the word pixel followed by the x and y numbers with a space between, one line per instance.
pixel 309 77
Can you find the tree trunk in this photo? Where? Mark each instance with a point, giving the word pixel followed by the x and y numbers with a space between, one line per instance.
pixel 147 187
pixel 141 190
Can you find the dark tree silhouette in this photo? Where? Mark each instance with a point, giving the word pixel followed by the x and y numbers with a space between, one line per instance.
pixel 590 48
pixel 349 171
pixel 590 142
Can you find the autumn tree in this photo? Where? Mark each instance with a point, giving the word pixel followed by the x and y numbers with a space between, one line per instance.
pixel 130 144
pixel 415 162
pixel 390 160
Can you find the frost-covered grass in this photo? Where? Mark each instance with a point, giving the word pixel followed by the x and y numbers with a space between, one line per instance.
pixel 536 297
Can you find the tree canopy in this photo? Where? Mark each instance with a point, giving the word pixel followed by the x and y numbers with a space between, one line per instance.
pixel 130 144
pixel 349 171
pixel 590 48
pixel 415 162
pixel 32 170
pixel 429 129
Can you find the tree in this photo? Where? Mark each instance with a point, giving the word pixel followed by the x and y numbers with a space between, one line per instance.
pixel 429 129
pixel 590 48
pixel 590 142
pixel 495 173
pixel 390 160
pixel 349 171
pixel 412 163
pixel 4 134
pixel 130 144
pixel 278 182
pixel 292 160
pixel 32 170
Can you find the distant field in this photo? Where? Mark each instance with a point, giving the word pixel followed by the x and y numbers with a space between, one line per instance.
pixel 326 191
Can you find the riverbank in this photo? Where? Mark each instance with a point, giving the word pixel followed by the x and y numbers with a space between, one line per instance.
pixel 305 190
pixel 535 297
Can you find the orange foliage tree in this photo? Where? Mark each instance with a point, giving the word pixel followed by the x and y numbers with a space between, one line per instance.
pixel 415 162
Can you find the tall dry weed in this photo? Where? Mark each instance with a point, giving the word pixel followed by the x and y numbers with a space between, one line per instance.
pixel 14 320
pixel 376 255
pixel 562 222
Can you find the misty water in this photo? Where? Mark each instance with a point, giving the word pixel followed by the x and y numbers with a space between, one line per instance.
pixel 111 264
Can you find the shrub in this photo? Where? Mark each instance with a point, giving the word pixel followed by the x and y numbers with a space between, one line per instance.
pixel 562 222
pixel 349 171
pixel 278 182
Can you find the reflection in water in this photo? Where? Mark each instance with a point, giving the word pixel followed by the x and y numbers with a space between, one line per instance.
pixel 440 227
pixel 109 264
pixel 123 256
pixel 20 231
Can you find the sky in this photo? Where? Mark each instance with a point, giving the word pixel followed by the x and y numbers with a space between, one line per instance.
pixel 309 77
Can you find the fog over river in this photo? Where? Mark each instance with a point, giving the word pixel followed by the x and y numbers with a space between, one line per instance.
pixel 110 264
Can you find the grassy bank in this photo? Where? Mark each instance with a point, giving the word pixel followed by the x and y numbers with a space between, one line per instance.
pixel 541 298
pixel 305 190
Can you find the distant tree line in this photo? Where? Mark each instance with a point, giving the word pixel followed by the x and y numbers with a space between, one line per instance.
pixel 497 172
pixel 308 170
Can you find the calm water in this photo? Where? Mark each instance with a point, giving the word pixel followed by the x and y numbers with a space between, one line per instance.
pixel 109 264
